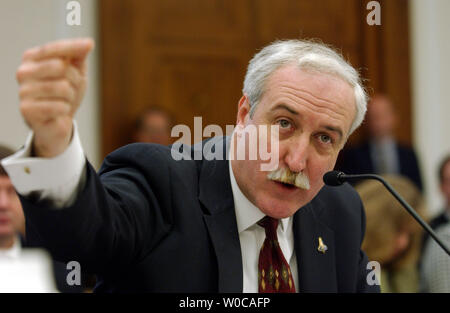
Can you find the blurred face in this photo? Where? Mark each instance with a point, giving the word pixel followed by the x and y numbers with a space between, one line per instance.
pixel 397 244
pixel 11 215
pixel 314 113
pixel 445 184
pixel 155 129
pixel 380 118
pixel 401 243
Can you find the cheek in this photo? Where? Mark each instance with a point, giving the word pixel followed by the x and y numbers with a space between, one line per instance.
pixel 17 210
pixel 317 167
pixel 251 175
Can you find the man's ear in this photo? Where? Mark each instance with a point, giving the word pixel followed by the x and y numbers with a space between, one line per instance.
pixel 243 113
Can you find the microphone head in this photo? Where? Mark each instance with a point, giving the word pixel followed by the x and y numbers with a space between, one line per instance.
pixel 332 178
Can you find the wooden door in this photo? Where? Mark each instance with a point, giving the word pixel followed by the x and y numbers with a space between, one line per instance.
pixel 190 56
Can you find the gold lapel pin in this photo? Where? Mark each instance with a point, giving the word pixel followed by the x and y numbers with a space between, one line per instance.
pixel 322 247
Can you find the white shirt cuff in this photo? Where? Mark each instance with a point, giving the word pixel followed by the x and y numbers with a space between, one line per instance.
pixel 57 179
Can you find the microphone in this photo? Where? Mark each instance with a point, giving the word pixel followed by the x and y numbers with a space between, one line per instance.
pixel 333 178
pixel 337 178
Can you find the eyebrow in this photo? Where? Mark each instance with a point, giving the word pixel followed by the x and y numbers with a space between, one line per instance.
pixel 283 106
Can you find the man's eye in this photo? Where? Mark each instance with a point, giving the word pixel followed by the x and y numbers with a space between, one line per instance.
pixel 284 123
pixel 325 138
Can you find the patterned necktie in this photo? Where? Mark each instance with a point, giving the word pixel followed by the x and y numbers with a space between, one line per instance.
pixel 274 273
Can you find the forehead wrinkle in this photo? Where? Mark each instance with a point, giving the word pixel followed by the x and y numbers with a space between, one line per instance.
pixel 317 101
pixel 317 108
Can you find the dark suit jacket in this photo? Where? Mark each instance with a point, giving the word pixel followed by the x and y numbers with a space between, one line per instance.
pixel 435 223
pixel 358 160
pixel 149 223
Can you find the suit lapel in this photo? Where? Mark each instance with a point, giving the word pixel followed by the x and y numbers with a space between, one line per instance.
pixel 216 195
pixel 316 270
pixel 225 239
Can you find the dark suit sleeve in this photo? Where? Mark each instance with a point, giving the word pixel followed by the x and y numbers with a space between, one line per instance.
pixel 363 272
pixel 115 220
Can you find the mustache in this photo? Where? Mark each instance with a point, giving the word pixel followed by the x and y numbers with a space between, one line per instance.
pixel 285 175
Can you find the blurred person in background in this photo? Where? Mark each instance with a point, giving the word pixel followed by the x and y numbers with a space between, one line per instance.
pixel 435 264
pixel 19 271
pixel 12 220
pixel 393 237
pixel 12 230
pixel 153 126
pixel 443 217
pixel 444 183
pixel 381 153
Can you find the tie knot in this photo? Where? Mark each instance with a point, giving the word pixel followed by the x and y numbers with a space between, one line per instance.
pixel 270 224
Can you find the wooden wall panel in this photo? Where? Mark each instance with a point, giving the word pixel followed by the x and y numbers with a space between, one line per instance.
pixel 197 21
pixel 386 62
pixel 191 56
pixel 396 59
pixel 204 93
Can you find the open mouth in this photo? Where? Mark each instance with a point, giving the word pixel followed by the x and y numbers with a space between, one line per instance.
pixel 286 185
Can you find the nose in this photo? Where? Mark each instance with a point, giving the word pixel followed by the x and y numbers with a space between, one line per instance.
pixel 298 152
pixel 4 200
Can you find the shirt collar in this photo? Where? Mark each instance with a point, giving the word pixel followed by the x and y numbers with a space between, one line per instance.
pixel 247 214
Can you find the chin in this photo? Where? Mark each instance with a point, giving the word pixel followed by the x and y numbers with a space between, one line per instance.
pixel 6 233
pixel 278 209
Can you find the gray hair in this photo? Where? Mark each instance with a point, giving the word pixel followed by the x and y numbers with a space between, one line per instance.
pixel 307 55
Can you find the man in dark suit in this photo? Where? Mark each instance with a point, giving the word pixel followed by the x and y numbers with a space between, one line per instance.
pixel 381 153
pixel 444 183
pixel 443 217
pixel 154 219
pixel 12 230
pixel 153 125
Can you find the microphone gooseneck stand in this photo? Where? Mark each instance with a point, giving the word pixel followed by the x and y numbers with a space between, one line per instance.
pixel 336 178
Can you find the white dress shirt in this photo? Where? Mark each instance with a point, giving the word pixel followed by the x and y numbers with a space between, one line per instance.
pixel 252 236
pixel 26 270
pixel 12 252
pixel 59 179
pixel 385 157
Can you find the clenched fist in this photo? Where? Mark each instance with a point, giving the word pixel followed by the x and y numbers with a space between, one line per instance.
pixel 52 80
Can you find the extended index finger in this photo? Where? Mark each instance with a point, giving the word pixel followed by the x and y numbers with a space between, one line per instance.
pixel 67 48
